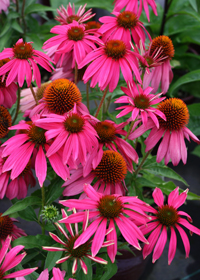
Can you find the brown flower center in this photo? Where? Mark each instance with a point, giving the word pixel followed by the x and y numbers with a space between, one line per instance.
pixel 115 49
pixel 74 123
pixel 36 134
pixel 167 215
pixel 79 252
pixel 141 101
pixel 6 227
pixel 40 91
pixel 23 50
pixel 3 81
pixel 112 167
pixel 165 43
pixel 70 19
pixel 176 113
pixel 106 131
pixel 1 275
pixel 5 121
pixel 92 25
pixel 127 19
pixel 75 33
pixel 60 96
pixel 26 169
pixel 110 206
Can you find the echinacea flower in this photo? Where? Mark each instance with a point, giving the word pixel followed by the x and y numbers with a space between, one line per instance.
pixel 167 217
pixel 161 73
pixel 57 275
pixel 8 228
pixel 140 104
pixel 7 93
pixel 5 121
pixel 30 141
pixel 4 5
pixel 17 187
pixel 66 16
pixel 132 5
pixel 106 62
pixel 108 175
pixel 23 63
pixel 79 253
pixel 173 130
pixel 109 136
pixel 108 209
pixel 71 133
pixel 123 26
pixel 59 98
pixel 73 39
pixel 92 25
pixel 8 260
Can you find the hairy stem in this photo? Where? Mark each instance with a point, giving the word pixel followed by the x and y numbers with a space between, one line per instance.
pixel 76 74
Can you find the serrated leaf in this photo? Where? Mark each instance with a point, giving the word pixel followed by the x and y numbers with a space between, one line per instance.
pixel 23 204
pixel 192 76
pixel 37 8
pixel 33 241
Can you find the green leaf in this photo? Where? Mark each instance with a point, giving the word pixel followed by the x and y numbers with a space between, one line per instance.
pixel 51 259
pixel 111 269
pixel 192 76
pixel 164 171
pixel 5 28
pixel 54 190
pixel 103 4
pixel 194 122
pixel 193 3
pixel 196 151
pixel 28 215
pixel 145 182
pixel 29 257
pixel 15 25
pixel 5 39
pixel 33 241
pixel 23 204
pixel 37 8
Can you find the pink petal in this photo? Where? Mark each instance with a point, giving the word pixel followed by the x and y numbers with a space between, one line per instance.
pixel 172 246
pixel 158 197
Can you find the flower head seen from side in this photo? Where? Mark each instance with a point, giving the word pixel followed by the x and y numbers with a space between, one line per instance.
pixel 66 16
pixel 17 187
pixel 108 175
pixel 7 93
pixel 132 5
pixel 23 63
pixel 4 5
pixel 111 210
pixel 140 104
pixel 8 260
pixel 161 73
pixel 72 41
pixel 106 62
pixel 124 26
pixel 8 228
pixel 167 217
pixel 72 134
pixel 5 121
pixel 173 130
pixel 79 253
pixel 30 142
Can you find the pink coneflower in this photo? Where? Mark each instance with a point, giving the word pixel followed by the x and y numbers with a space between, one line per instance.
pixel 57 275
pixel 17 187
pixel 74 39
pixel 92 25
pixel 108 176
pixel 8 228
pixel 5 121
pixel 161 73
pixel 4 4
pixel 23 63
pixel 140 104
pixel 7 94
pixel 79 253
pixel 123 26
pixel 109 136
pixel 30 142
pixel 132 5
pixel 71 133
pixel 63 73
pixel 66 16
pixel 109 209
pixel 167 217
pixel 107 61
pixel 8 260
pixel 27 102
pixel 59 98
pixel 173 130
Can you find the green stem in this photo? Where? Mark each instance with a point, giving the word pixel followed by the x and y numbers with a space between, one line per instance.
pixel 108 103
pixel 87 95
pixel 129 131
pixel 17 6
pixel 76 74
pixel 43 204
pixel 102 100
pixel 23 16
pixel 166 8
pixel 142 162
pixel 34 95
pixel 18 103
